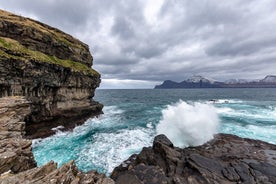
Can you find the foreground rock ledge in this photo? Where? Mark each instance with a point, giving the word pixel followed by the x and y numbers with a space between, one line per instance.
pixel 17 164
pixel 225 159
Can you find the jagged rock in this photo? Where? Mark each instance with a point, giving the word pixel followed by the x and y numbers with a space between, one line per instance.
pixel 51 69
pixel 15 152
pixel 50 174
pixel 225 159
pixel 17 164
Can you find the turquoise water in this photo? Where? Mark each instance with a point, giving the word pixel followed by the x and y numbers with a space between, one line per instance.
pixel 132 118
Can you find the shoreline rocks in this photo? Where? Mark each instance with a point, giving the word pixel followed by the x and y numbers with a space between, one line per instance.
pixel 46 80
pixel 15 151
pixel 17 163
pixel 225 159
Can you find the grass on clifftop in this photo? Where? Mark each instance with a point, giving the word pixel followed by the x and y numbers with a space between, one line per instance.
pixel 48 30
pixel 10 48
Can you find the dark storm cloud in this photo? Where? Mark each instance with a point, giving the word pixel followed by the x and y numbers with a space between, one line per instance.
pixel 122 27
pixel 243 47
pixel 145 41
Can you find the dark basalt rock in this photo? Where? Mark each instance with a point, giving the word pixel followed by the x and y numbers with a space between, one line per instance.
pixel 225 159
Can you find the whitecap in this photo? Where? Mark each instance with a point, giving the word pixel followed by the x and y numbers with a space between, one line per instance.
pixel 189 124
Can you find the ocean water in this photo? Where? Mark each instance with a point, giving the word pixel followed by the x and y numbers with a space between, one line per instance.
pixel 132 118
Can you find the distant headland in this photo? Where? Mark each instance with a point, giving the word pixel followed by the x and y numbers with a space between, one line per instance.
pixel 201 82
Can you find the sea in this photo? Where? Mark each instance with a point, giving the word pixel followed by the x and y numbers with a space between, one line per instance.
pixel 133 117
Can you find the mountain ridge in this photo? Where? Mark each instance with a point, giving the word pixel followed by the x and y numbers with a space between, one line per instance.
pixel 198 81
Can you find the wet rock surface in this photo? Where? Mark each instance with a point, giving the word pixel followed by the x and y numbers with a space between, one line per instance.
pixel 225 159
pixel 17 164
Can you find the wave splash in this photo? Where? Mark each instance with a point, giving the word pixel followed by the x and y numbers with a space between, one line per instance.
pixel 189 124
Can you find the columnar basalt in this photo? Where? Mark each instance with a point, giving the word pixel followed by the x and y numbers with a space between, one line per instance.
pixel 51 69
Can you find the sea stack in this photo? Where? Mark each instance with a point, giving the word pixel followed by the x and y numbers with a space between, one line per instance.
pixel 51 69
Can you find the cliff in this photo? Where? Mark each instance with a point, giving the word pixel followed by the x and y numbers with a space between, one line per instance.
pixel 225 159
pixel 15 151
pixel 51 69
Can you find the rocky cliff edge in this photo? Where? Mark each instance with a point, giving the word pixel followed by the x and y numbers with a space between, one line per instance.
pixel 51 69
pixel 225 159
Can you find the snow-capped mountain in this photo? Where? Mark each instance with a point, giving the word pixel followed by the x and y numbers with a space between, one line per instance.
pixel 269 79
pixel 237 81
pixel 198 81
pixel 198 78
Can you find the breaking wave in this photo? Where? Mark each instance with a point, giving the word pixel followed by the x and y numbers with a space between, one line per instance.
pixel 189 124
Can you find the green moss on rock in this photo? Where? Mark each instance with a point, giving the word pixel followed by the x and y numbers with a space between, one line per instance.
pixel 10 48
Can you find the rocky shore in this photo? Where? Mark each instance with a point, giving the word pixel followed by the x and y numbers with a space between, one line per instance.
pixel 17 164
pixel 46 80
pixel 225 159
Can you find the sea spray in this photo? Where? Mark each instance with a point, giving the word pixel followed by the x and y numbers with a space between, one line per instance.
pixel 189 124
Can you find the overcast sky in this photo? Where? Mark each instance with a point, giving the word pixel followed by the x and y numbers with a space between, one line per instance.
pixel 138 44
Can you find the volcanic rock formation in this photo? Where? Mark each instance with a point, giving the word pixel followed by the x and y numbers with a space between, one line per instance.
pixel 225 159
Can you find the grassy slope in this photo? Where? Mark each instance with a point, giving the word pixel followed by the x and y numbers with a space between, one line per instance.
pixel 10 48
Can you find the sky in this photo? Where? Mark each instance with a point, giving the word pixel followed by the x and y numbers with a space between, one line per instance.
pixel 139 44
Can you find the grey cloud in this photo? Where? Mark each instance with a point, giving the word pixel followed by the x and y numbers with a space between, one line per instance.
pixel 122 28
pixel 236 47
pixel 218 39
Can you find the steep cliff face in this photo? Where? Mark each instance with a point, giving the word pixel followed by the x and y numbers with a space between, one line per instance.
pixel 51 69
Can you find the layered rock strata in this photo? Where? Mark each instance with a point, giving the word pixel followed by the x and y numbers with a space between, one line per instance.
pixel 225 159
pixel 15 152
pixel 50 174
pixel 51 69
pixel 17 164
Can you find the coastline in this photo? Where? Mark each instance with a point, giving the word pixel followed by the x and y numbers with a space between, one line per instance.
pixel 47 81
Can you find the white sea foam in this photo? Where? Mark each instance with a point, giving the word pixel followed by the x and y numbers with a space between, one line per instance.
pixel 224 101
pixel 57 128
pixel 248 112
pixel 150 125
pixel 189 124
pixel 110 149
pixel 265 133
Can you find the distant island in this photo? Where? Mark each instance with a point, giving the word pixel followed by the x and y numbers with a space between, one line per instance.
pixel 201 82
